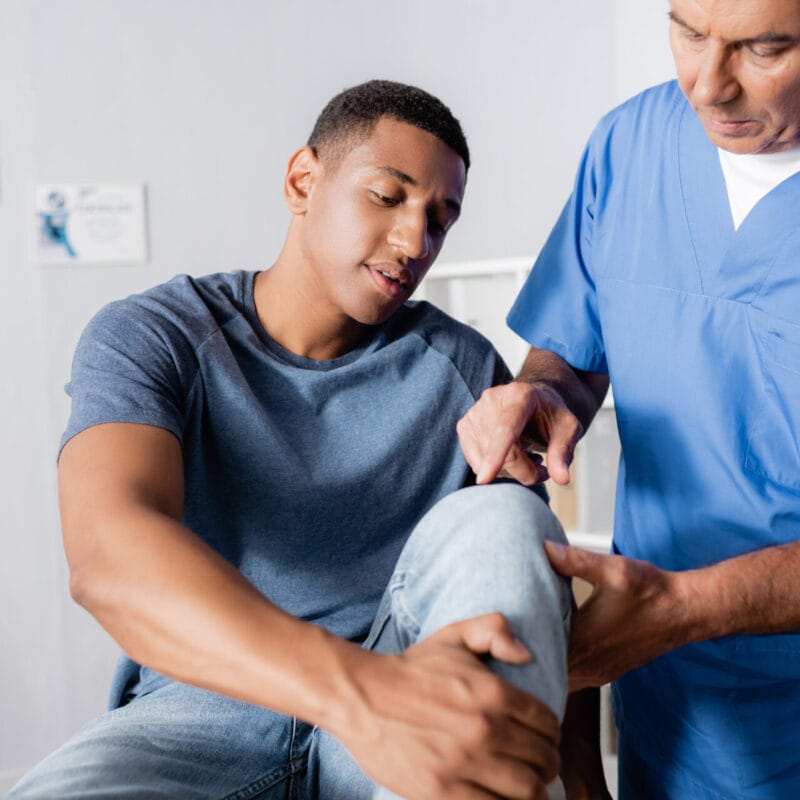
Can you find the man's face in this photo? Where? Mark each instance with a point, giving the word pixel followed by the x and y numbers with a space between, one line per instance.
pixel 738 64
pixel 376 218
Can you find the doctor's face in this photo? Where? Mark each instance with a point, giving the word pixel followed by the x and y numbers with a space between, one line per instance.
pixel 738 64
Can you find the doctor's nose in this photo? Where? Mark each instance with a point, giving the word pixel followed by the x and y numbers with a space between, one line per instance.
pixel 410 235
pixel 716 83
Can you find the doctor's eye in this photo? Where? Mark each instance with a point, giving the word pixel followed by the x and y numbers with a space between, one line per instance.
pixel 693 37
pixel 766 51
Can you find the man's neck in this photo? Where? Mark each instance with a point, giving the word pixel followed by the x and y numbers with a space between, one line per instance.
pixel 293 316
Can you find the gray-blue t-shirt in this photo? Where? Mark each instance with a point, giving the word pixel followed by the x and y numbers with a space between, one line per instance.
pixel 307 475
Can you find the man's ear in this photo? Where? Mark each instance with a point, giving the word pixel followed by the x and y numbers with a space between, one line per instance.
pixel 304 168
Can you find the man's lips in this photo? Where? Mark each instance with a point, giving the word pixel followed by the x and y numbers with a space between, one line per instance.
pixel 729 127
pixel 391 279
pixel 395 272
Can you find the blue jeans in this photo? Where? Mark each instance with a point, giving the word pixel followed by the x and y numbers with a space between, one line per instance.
pixel 478 550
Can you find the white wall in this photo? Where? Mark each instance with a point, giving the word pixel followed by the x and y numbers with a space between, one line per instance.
pixel 204 100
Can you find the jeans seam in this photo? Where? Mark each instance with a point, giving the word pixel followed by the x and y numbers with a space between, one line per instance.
pixel 268 781
pixel 291 756
pixel 399 607
pixel 295 764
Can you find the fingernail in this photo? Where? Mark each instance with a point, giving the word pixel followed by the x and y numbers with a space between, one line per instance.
pixel 557 549
pixel 521 646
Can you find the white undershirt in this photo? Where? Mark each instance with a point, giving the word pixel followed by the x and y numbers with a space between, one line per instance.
pixel 749 177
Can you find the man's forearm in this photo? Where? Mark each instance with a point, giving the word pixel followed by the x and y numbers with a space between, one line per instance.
pixel 582 392
pixel 175 605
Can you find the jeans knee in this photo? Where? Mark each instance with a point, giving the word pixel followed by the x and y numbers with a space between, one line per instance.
pixel 504 509
pixel 491 527
pixel 480 550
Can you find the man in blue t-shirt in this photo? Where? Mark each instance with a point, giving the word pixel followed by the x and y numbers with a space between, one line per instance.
pixel 246 459
pixel 674 272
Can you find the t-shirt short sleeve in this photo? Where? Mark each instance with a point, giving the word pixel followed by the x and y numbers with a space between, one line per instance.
pixel 557 307
pixel 131 365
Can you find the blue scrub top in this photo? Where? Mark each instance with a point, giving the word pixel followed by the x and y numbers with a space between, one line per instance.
pixel 698 326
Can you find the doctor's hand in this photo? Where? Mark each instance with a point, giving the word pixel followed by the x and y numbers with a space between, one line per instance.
pixel 635 613
pixel 498 432
pixel 434 721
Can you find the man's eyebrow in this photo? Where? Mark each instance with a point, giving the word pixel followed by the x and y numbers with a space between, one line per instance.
pixel 770 37
pixel 408 180
pixel 678 21
pixel 399 174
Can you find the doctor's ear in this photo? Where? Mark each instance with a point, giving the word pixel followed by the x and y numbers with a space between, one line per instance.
pixel 304 168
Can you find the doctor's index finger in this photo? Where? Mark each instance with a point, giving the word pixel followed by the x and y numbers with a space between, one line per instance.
pixel 484 442
pixel 500 416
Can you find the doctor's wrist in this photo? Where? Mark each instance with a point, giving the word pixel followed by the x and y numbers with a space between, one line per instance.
pixel 705 610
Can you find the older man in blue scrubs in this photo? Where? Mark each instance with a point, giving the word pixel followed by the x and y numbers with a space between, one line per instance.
pixel 674 270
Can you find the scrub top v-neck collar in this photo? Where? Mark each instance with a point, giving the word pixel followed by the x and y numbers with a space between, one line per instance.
pixel 727 260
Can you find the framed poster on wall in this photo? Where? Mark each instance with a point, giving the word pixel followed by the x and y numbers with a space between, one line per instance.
pixel 90 223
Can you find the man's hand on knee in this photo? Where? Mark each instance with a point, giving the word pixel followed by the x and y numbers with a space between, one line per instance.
pixel 434 721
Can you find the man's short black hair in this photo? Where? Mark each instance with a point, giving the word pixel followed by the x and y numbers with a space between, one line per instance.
pixel 351 115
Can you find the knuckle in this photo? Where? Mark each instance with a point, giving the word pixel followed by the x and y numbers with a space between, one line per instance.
pixel 532 789
pixel 494 694
pixel 462 690
pixel 621 572
pixel 488 395
pixel 496 620
pixel 519 394
pixel 478 731
pixel 434 785
pixel 552 766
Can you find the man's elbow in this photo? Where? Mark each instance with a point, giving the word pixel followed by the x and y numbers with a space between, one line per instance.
pixel 79 588
pixel 89 583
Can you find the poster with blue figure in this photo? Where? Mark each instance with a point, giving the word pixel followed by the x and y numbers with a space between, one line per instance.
pixel 91 222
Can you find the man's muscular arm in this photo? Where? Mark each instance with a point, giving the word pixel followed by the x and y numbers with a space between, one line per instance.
pixel 432 721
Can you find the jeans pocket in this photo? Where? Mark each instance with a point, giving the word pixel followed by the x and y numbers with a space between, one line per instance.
pixel 773 447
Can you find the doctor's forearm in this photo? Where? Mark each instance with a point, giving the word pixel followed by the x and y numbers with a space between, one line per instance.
pixel 755 593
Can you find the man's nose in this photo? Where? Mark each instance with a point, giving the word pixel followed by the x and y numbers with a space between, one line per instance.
pixel 716 82
pixel 410 235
